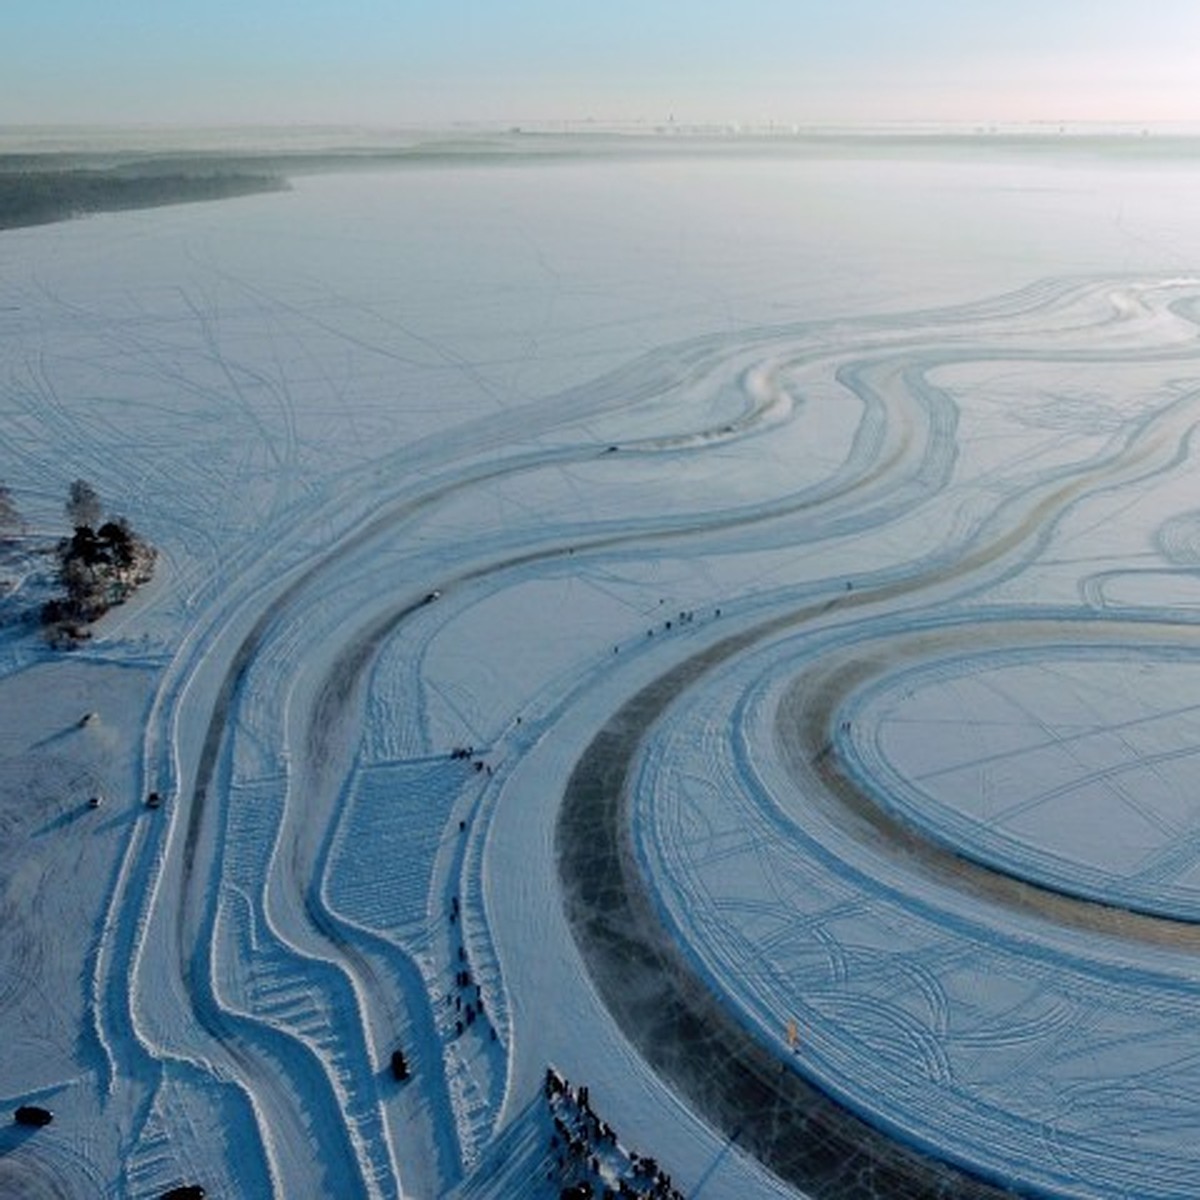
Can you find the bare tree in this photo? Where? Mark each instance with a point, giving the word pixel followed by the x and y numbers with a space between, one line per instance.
pixel 83 505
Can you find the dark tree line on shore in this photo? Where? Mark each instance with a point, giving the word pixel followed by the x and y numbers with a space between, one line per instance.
pixel 39 197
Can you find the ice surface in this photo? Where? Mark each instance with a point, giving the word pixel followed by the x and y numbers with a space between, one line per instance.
pixel 876 470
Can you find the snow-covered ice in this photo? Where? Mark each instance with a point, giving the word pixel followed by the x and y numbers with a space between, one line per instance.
pixel 829 515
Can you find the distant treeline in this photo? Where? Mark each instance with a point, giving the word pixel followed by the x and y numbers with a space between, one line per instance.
pixel 38 186
pixel 40 197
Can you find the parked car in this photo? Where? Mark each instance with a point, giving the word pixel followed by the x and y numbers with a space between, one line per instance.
pixel 33 1114
pixel 399 1065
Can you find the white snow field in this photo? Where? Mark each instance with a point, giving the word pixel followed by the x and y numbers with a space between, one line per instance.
pixel 725 624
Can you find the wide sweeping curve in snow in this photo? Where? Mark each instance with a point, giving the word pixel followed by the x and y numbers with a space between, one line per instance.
pixel 783 728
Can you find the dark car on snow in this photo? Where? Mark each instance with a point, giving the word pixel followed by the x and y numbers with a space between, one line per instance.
pixel 32 1114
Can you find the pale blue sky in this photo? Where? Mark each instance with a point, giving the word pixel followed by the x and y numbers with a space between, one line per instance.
pixel 400 62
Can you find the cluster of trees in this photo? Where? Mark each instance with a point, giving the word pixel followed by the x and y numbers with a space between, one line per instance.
pixel 101 564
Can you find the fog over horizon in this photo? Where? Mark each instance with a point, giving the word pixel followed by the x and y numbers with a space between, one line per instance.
pixel 758 63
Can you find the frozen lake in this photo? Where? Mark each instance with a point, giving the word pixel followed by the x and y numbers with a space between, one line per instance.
pixel 720 623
